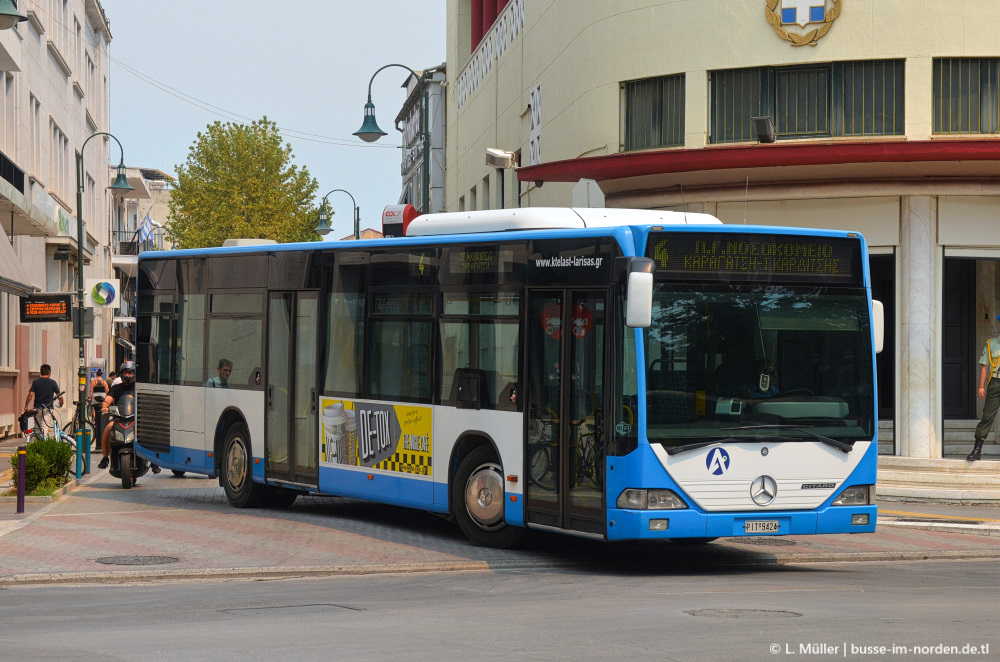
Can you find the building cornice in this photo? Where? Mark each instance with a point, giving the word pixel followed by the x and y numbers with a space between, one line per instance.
pixel 676 161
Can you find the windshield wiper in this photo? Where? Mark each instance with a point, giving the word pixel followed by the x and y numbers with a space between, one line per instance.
pixel 675 450
pixel 836 443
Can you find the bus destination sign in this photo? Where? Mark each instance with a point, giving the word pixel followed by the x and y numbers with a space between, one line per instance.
pixel 46 308
pixel 756 257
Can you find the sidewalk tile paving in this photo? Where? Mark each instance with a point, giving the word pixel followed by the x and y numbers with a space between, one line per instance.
pixel 190 519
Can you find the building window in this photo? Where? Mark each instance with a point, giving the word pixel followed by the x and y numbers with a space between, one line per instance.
pixel 654 112
pixel 965 95
pixel 838 99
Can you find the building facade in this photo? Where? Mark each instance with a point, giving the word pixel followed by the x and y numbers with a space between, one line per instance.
pixel 875 116
pixel 53 98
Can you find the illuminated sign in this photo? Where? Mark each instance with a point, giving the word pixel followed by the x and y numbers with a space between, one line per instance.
pixel 756 257
pixel 46 308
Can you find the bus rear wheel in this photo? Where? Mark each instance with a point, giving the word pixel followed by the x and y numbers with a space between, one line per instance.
pixel 478 500
pixel 237 476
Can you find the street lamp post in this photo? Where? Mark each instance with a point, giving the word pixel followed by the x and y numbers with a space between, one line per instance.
pixel 121 184
pixel 370 132
pixel 324 228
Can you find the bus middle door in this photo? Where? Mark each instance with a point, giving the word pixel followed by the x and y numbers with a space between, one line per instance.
pixel 564 440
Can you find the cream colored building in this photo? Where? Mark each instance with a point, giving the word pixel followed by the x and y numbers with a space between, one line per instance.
pixel 53 98
pixel 887 119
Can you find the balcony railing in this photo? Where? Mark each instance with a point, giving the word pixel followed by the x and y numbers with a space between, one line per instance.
pixel 129 242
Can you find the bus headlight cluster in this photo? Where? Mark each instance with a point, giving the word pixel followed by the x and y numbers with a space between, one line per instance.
pixel 633 499
pixel 856 495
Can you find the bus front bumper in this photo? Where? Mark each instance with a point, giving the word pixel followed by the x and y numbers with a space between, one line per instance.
pixel 689 523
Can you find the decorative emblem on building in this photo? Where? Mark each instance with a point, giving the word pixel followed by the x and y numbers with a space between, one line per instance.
pixel 803 13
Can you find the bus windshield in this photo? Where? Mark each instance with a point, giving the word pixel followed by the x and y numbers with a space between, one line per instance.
pixel 756 360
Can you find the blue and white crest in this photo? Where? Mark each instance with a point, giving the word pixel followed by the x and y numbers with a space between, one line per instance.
pixel 803 12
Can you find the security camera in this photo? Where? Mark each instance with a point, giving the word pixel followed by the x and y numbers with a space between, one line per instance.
pixel 499 158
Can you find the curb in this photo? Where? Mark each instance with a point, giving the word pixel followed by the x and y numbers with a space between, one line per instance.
pixel 297 572
pixel 992 530
pixel 59 493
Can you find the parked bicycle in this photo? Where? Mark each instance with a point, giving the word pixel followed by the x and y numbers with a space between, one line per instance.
pixel 543 455
pixel 44 419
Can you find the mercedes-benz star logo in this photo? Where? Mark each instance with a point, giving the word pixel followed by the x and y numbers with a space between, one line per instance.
pixel 763 489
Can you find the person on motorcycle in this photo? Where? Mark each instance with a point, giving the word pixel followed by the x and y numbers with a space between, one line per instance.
pixel 127 386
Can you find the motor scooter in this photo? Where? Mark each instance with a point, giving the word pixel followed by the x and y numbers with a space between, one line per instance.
pixel 125 464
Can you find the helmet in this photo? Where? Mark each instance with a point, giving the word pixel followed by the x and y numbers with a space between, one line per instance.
pixel 127 366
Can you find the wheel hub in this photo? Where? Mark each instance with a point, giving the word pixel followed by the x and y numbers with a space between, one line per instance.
pixel 484 497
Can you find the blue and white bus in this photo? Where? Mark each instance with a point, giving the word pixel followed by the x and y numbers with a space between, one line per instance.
pixel 608 373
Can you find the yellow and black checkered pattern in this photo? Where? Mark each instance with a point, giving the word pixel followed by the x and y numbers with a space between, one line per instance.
pixel 408 463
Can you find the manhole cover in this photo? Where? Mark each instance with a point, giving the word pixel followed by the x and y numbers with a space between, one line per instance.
pixel 931 520
pixel 137 560
pixel 776 542
pixel 743 613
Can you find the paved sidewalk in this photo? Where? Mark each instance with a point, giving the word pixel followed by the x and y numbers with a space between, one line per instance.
pixel 169 527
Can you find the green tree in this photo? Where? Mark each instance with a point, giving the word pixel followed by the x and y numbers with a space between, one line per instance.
pixel 239 182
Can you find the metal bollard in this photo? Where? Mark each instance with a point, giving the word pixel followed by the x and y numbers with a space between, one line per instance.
pixel 22 452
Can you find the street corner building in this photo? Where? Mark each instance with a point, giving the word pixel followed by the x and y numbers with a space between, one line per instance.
pixel 877 117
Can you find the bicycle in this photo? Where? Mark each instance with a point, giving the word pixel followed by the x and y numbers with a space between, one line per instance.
pixel 543 456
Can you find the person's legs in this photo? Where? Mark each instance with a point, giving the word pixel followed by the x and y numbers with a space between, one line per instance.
pixel 105 446
pixel 990 406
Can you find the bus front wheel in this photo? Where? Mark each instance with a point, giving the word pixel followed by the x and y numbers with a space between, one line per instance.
pixel 237 475
pixel 478 500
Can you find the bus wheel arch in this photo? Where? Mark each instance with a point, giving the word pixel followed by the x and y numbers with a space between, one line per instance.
pixel 236 466
pixel 476 487
pixel 227 419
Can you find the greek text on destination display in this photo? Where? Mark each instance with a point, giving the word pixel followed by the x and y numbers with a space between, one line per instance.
pixel 756 256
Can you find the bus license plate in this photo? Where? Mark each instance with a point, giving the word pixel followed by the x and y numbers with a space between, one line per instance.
pixel 760 526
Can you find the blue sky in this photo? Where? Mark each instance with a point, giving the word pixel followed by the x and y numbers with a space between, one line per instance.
pixel 305 64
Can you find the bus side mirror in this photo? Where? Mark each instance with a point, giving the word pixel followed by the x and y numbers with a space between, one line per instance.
pixel 639 293
pixel 878 325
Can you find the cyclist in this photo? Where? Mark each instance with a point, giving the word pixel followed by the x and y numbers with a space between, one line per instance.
pixel 126 387
pixel 43 391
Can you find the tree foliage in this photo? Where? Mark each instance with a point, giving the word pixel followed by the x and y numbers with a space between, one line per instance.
pixel 239 182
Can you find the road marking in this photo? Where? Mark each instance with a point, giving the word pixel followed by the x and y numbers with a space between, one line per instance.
pixel 908 514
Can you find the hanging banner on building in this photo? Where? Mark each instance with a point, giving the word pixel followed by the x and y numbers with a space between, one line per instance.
pixel 46 308
pixel 102 293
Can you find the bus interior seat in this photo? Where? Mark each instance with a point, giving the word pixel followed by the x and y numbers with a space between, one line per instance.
pixel 471 389
pixel 668 398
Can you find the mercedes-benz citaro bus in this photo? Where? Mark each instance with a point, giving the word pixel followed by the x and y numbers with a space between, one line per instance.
pixel 607 373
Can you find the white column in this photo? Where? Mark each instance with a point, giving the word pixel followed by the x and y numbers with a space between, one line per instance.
pixel 919 356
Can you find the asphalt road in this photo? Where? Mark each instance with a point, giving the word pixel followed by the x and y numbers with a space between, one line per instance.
pixel 630 611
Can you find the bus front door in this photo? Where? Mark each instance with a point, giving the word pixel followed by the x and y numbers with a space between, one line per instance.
pixel 564 436
pixel 291 444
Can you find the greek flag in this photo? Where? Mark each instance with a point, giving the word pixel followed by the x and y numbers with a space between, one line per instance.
pixel 146 228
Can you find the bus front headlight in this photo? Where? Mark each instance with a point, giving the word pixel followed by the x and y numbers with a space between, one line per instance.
pixel 634 499
pixel 856 495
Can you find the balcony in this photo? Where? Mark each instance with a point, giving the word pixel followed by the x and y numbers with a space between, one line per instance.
pixel 126 246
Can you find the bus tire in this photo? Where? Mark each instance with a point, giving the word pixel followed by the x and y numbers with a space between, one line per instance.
pixel 478 500
pixel 280 498
pixel 237 476
pixel 179 474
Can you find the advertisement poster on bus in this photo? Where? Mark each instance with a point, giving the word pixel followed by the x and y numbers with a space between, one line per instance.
pixel 375 435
